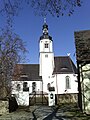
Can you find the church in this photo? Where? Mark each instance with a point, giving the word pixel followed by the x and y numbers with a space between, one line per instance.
pixel 53 73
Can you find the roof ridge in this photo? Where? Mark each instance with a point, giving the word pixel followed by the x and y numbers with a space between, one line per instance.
pixel 26 64
pixel 61 56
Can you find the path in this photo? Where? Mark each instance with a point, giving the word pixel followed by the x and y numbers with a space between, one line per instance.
pixel 63 112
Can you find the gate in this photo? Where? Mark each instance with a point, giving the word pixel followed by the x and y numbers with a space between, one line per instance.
pixel 38 99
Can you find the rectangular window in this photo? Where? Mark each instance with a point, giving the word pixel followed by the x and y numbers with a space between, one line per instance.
pixel 25 86
pixel 46 45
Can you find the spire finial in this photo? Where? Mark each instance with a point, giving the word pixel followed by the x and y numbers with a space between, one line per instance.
pixel 44 19
pixel 45 27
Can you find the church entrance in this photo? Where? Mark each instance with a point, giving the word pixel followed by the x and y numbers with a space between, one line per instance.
pixel 38 99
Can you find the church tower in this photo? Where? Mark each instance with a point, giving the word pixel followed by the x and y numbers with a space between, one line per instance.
pixel 46 57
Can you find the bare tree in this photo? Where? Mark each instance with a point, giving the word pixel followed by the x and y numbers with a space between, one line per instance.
pixel 43 7
pixel 9 7
pixel 11 50
pixel 55 7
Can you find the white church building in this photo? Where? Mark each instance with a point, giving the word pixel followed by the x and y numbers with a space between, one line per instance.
pixel 57 72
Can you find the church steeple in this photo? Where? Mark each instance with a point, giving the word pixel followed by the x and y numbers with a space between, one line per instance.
pixel 45 31
pixel 46 52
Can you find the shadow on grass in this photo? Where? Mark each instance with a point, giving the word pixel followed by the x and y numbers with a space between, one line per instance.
pixel 50 116
pixel 67 111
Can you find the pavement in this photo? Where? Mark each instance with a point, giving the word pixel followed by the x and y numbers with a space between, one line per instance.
pixel 42 112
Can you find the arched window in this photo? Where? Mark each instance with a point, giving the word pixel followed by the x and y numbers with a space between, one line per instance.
pixel 18 87
pixel 48 86
pixel 25 86
pixel 33 86
pixel 68 86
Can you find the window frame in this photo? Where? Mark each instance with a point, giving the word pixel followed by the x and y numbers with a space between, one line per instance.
pixel 25 86
pixel 48 86
pixel 18 87
pixel 67 82
pixel 46 45
pixel 46 56
pixel 33 87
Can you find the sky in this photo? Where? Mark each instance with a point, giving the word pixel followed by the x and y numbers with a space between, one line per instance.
pixel 29 27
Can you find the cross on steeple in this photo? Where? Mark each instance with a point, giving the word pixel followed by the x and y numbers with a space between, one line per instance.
pixel 44 19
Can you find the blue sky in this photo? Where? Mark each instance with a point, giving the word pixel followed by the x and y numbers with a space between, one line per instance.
pixel 29 27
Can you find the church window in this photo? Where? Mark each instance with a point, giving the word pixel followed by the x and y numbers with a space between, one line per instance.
pixel 68 82
pixel 25 86
pixel 48 86
pixel 46 45
pixel 18 87
pixel 33 86
pixel 46 55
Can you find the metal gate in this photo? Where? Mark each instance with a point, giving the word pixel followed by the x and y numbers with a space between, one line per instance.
pixel 38 99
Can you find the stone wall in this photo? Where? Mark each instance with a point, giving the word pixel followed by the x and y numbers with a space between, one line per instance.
pixel 67 98
pixel 4 107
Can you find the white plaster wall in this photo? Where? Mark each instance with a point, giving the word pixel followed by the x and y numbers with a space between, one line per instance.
pixel 14 85
pixel 61 86
pixel 58 81
pixel 42 48
pixel 46 64
pixel 46 80
pixel 46 61
pixel 22 97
